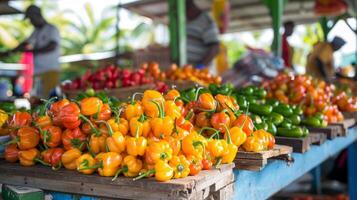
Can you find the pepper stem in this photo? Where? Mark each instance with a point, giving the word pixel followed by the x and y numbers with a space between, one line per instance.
pixel 58 167
pixel 95 131
pixel 110 130
pixel 189 115
pixel 132 100
pixel 160 108
pixel 41 162
pixel 99 165
pixel 197 91
pixel 218 162
pixel 229 138
pixel 208 128
pixel 145 174
pixel 14 141
pixel 122 170
pixel 47 102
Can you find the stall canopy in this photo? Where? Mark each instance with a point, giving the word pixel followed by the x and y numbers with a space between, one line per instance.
pixel 245 15
pixel 6 9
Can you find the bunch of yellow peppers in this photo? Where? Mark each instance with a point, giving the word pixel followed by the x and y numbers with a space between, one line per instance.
pixel 158 135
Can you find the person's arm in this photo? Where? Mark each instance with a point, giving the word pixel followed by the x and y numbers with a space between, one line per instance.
pixel 213 51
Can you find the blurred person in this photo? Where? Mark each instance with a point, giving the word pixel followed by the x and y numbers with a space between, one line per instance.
pixel 202 36
pixel 287 50
pixel 44 43
pixel 320 62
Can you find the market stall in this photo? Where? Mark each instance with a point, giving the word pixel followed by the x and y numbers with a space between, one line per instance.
pixel 179 133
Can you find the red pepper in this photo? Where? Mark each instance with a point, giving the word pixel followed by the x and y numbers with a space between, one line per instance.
pixel 55 109
pixel 20 119
pixel 105 113
pixel 220 120
pixel 53 157
pixel 69 115
pixel 51 136
pixel 73 138
pixel 11 153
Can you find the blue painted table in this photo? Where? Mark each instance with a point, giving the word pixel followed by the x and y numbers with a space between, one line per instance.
pixel 277 174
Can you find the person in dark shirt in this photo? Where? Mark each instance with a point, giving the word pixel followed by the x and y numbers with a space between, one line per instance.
pixel 287 50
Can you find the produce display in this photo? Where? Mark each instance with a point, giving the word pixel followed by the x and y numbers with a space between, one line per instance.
pixel 316 98
pixel 189 73
pixel 111 77
pixel 166 136
pixel 272 116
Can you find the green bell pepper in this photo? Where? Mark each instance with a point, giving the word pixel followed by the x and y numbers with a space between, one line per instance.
pixel 295 132
pixel 255 118
pixel 286 124
pixel 305 131
pixel 295 119
pixel 271 128
pixel 260 109
pixel 311 121
pixel 283 109
pixel 263 126
pixel 251 99
pixel 260 93
pixel 298 111
pixel 242 102
pixel 272 102
pixel 276 118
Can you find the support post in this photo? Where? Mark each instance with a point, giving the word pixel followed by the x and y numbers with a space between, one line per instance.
pixel 316 179
pixel 177 26
pixel 276 8
pixel 352 172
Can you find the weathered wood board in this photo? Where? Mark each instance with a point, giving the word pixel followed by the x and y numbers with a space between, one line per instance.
pixel 255 161
pixel 345 124
pixel 299 145
pixel 348 115
pixel 317 138
pixel 330 131
pixel 121 93
pixel 206 184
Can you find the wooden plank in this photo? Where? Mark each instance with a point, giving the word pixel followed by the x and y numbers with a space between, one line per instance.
pixel 299 145
pixel 278 150
pixel 317 138
pixel 345 124
pixel 255 161
pixel 350 115
pixel 121 93
pixel 125 188
pixel 331 131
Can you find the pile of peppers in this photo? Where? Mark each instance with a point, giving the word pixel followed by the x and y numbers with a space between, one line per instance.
pixel 271 115
pixel 168 136
pixel 315 97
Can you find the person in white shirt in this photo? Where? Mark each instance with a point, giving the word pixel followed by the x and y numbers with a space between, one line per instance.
pixel 44 43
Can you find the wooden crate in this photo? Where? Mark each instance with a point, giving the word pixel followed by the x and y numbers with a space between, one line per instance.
pixel 348 115
pixel 317 138
pixel 255 161
pixel 207 184
pixel 345 124
pixel 330 131
pixel 121 93
pixel 299 145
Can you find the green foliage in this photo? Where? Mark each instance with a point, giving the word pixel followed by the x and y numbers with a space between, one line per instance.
pixel 235 50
